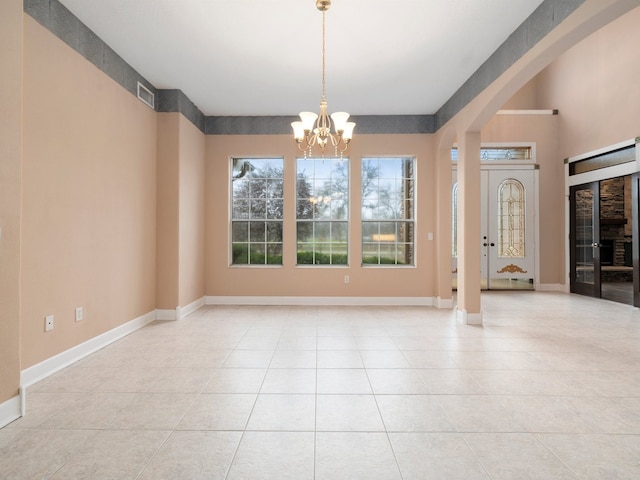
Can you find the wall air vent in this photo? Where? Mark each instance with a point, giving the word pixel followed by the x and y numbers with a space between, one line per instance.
pixel 146 96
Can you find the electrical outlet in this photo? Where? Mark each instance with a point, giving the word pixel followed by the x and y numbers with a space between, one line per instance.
pixel 79 314
pixel 48 323
pixel 346 279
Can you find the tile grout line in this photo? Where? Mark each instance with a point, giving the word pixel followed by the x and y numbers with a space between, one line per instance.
pixel 384 425
pixel 244 430
pixel 315 420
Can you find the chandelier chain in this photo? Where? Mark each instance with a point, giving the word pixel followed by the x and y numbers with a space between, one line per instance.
pixel 324 12
pixel 315 130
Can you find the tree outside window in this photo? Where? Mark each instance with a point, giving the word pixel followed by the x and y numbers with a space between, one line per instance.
pixel 322 211
pixel 257 205
pixel 388 195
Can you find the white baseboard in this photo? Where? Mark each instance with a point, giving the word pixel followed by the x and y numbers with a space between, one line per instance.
pixel 469 318
pixel 552 287
pixel 51 365
pixel 166 314
pixel 443 302
pixel 10 410
pixel 180 312
pixel 324 301
pixel 189 309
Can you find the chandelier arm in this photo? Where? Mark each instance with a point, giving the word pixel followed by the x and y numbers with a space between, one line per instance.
pixel 324 124
pixel 300 144
pixel 346 145
pixel 311 140
pixel 308 142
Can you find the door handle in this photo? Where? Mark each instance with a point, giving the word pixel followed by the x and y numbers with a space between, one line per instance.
pixel 595 245
pixel 493 244
pixel 484 244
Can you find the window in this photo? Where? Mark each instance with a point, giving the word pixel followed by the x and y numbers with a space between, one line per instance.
pixel 499 153
pixel 609 159
pixel 388 195
pixel 322 211
pixel 511 221
pixel 256 211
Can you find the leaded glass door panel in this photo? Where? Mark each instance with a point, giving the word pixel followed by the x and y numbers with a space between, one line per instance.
pixel 510 248
pixel 507 228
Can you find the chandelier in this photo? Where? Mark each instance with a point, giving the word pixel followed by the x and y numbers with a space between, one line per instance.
pixel 313 129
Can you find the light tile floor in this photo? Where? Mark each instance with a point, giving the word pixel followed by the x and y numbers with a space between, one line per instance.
pixel 549 388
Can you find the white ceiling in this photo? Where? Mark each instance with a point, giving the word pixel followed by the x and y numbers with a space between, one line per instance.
pixel 252 57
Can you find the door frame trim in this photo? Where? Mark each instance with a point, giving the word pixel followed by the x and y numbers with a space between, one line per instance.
pixel 592 290
pixel 588 177
pixel 522 165
pixel 635 235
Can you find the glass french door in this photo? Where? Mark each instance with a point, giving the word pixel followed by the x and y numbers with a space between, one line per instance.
pixel 584 244
pixel 635 248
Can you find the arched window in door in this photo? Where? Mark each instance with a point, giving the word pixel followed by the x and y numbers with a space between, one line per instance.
pixel 454 221
pixel 511 219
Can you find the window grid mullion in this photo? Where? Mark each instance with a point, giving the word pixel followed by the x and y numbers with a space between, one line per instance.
pixel 253 192
pixel 393 189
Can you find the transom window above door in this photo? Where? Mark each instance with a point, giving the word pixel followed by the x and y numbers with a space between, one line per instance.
pixel 500 154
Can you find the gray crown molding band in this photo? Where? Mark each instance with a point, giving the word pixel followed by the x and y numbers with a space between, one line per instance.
pixel 177 101
pixel 61 22
pixel 281 125
pixel 545 18
pixel 67 27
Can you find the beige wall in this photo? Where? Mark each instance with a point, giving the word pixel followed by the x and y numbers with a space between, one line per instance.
pixel 583 84
pixel 180 238
pixel 94 158
pixel 192 213
pixel 89 199
pixel 525 99
pixel 11 31
pixel 168 175
pixel 595 87
pixel 289 280
pixel 580 127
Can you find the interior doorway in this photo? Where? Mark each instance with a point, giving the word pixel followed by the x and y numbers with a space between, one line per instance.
pixel 508 227
pixel 603 230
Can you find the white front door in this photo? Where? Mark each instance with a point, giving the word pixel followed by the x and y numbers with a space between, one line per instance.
pixel 507 243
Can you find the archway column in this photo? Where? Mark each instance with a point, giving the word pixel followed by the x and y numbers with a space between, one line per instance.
pixel 469 306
